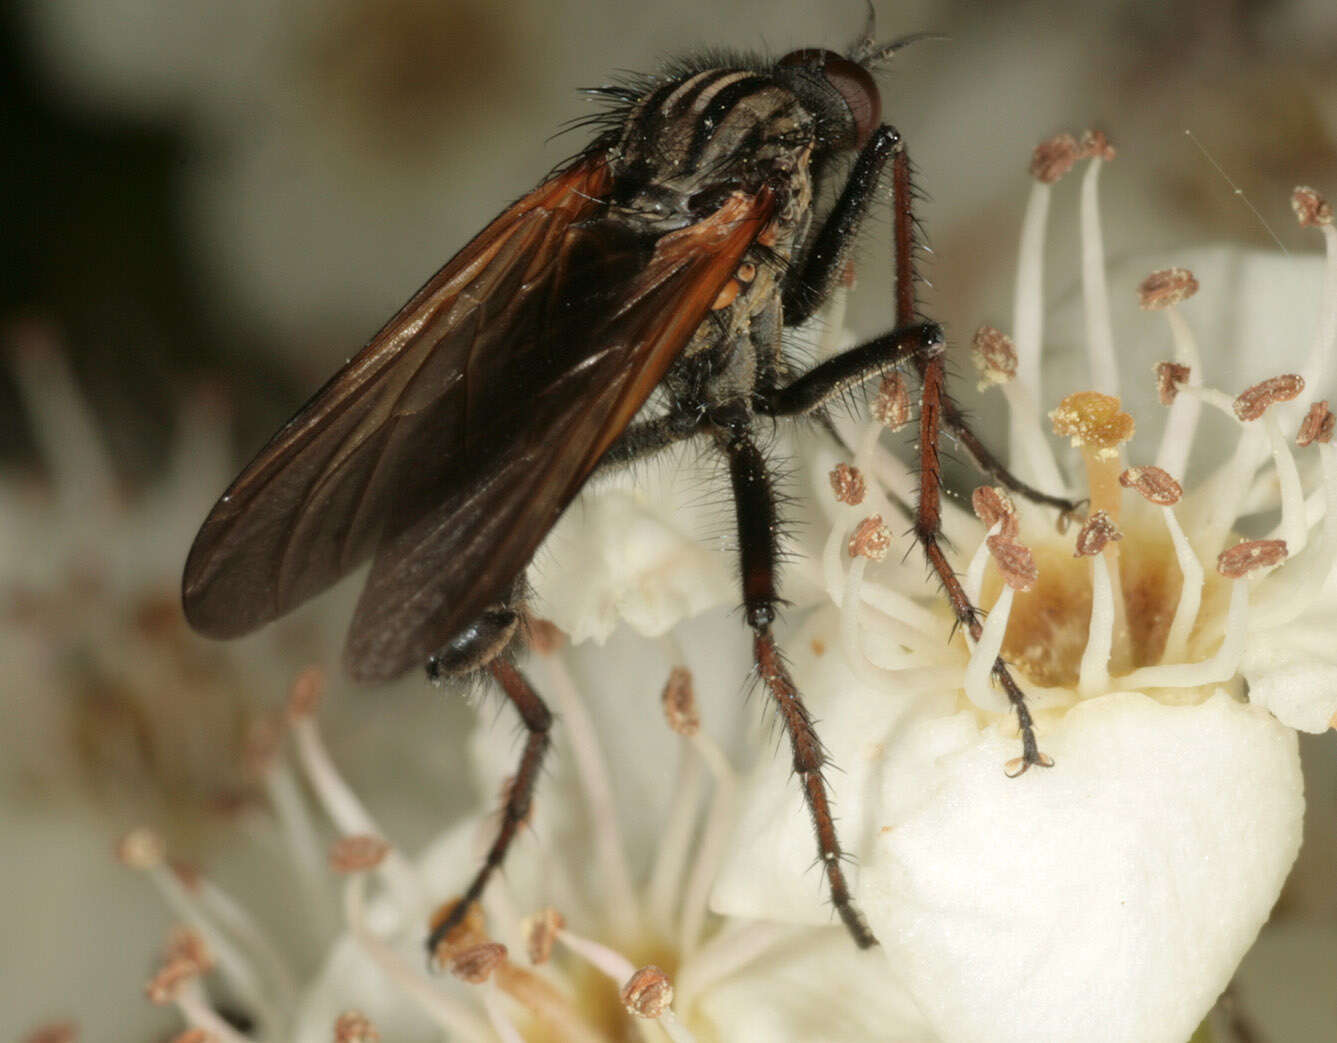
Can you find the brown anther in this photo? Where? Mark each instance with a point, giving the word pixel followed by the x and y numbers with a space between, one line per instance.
pixel 196 1035
pixel 1252 402
pixel 1238 561
pixel 1316 426
pixel 679 702
pixel 1155 485
pixel 1170 377
pixel 188 874
pixel 186 943
pixel 141 848
pixel 1095 145
pixel 1093 421
pixel 848 484
pixel 1165 287
pixel 1311 209
pixel 540 933
pixel 1095 535
pixel 476 963
pixel 891 408
pixel 1015 562
pixel 992 505
pixel 647 993
pixel 544 637
pixel 1054 157
pixel 871 539
pixel 994 355
pixel 56 1032
pixel 352 1026
pixel 358 853
pixel 172 976
pixel 307 691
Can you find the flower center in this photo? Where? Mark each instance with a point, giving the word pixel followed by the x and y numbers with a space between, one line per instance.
pixel 1049 626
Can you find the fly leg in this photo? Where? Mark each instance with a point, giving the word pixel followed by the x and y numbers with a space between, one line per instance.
pixel 811 281
pixel 849 369
pixel 754 500
pixel 480 646
pixel 648 437
pixel 935 410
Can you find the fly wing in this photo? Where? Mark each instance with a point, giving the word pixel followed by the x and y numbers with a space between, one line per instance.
pixel 456 437
pixel 380 436
pixel 618 317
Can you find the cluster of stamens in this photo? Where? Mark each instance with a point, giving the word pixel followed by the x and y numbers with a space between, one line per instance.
pixel 386 911
pixel 1131 603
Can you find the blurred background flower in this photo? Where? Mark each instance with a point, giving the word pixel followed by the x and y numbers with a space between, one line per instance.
pixel 233 197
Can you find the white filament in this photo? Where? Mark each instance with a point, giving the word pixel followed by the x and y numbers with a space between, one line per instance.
pixel 620 897
pixel 350 815
pixel 1028 325
pixel 1190 591
pixel 979 668
pixel 1292 527
pixel 443 1010
pixel 1319 363
pixel 1095 291
pixel 1182 423
pixel 1216 670
pixel 713 845
pixel 1094 674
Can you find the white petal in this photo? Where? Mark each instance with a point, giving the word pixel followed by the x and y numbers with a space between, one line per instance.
pixel 818 988
pixel 1293 675
pixel 770 873
pixel 635 548
pixel 1109 898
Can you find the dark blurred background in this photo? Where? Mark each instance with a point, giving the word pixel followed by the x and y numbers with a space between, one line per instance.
pixel 206 207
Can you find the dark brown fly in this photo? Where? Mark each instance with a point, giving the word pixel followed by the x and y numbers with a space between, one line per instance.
pixel 670 254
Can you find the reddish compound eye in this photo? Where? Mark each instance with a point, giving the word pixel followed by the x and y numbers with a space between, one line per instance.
pixel 851 81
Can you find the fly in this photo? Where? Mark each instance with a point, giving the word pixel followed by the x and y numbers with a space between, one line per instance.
pixel 671 253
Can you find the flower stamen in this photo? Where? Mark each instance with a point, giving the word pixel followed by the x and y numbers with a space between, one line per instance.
pixel 441 1009
pixel 337 798
pixel 1314 211
pixel 352 1026
pixel 713 845
pixel 1317 425
pixel 592 771
pixel 1162 291
pixel 143 849
pixel 1095 289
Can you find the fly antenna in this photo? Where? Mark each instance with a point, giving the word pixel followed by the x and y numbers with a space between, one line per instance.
pixel 870 54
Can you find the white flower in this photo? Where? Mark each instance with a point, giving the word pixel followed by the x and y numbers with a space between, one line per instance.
pixel 1112 896
pixel 601 890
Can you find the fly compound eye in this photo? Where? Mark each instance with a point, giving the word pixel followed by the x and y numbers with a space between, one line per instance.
pixel 852 82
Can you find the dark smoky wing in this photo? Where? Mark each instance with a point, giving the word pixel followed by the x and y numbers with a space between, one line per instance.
pixel 393 431
pixel 616 317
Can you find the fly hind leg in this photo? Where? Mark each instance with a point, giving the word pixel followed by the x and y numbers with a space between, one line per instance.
pixel 480 646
